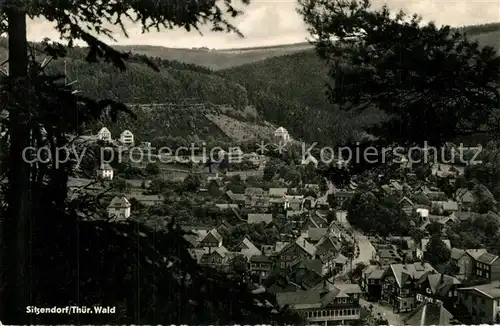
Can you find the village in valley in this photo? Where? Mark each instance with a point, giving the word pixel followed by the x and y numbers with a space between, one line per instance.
pixel 292 238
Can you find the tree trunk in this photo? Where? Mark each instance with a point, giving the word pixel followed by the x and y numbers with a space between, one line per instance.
pixel 15 259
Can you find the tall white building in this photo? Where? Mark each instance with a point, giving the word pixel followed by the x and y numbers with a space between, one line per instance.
pixel 281 134
pixel 104 134
pixel 127 138
pixel 105 172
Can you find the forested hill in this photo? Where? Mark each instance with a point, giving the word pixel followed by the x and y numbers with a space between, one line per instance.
pixel 283 85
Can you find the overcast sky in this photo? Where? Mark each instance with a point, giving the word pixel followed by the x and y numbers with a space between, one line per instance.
pixel 276 22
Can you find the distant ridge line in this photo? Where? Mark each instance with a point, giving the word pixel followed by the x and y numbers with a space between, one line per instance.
pixel 277 46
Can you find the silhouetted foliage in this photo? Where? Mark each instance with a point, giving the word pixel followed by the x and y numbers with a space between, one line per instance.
pixel 433 83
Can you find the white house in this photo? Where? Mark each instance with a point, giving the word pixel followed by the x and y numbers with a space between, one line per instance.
pixel 119 208
pixel 104 134
pixel 282 134
pixel 105 172
pixel 127 138
pixel 235 155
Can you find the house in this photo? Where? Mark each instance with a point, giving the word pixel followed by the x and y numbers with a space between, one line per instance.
pixel 428 314
pixel 343 197
pixel 225 207
pixel 407 205
pixel 257 203
pixel 341 216
pixel 340 263
pixel 217 258
pixel 462 262
pixel 399 282
pixel 423 213
pixel 302 276
pixel 487 266
pixel 148 200
pixel 105 172
pixel 293 203
pixel 465 198
pixel 371 281
pixel 224 227
pixel 104 134
pixel 298 250
pixel 259 218
pixel 282 135
pixel 260 264
pixel 277 192
pixel 277 203
pixel 119 208
pixel 313 220
pixel 482 302
pixel 127 138
pixel 247 248
pixel 329 243
pixel 465 216
pixel 235 198
pixel 194 237
pixel 450 206
pixel 330 304
pixel 251 191
pixel 213 239
pixel 438 288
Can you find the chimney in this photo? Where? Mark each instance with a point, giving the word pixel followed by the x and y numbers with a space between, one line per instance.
pixel 304 243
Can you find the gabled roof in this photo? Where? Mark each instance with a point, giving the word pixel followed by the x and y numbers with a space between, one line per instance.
pixel 214 234
pixel 248 249
pixel 278 192
pixel 476 253
pixel 119 202
pixel 491 290
pixel 428 314
pixel 456 253
pixel 374 272
pixel 412 271
pixel 450 206
pixel 441 284
pixel 309 248
pixel 315 234
pixel 104 130
pixel 487 258
pixel 105 167
pixel 465 195
pixel 251 191
pixel 126 132
pixel 407 201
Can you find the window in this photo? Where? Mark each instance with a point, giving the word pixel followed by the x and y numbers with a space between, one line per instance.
pixel 323 313
pixel 336 312
pixel 450 294
pixel 487 275
pixel 419 297
pixel 341 312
